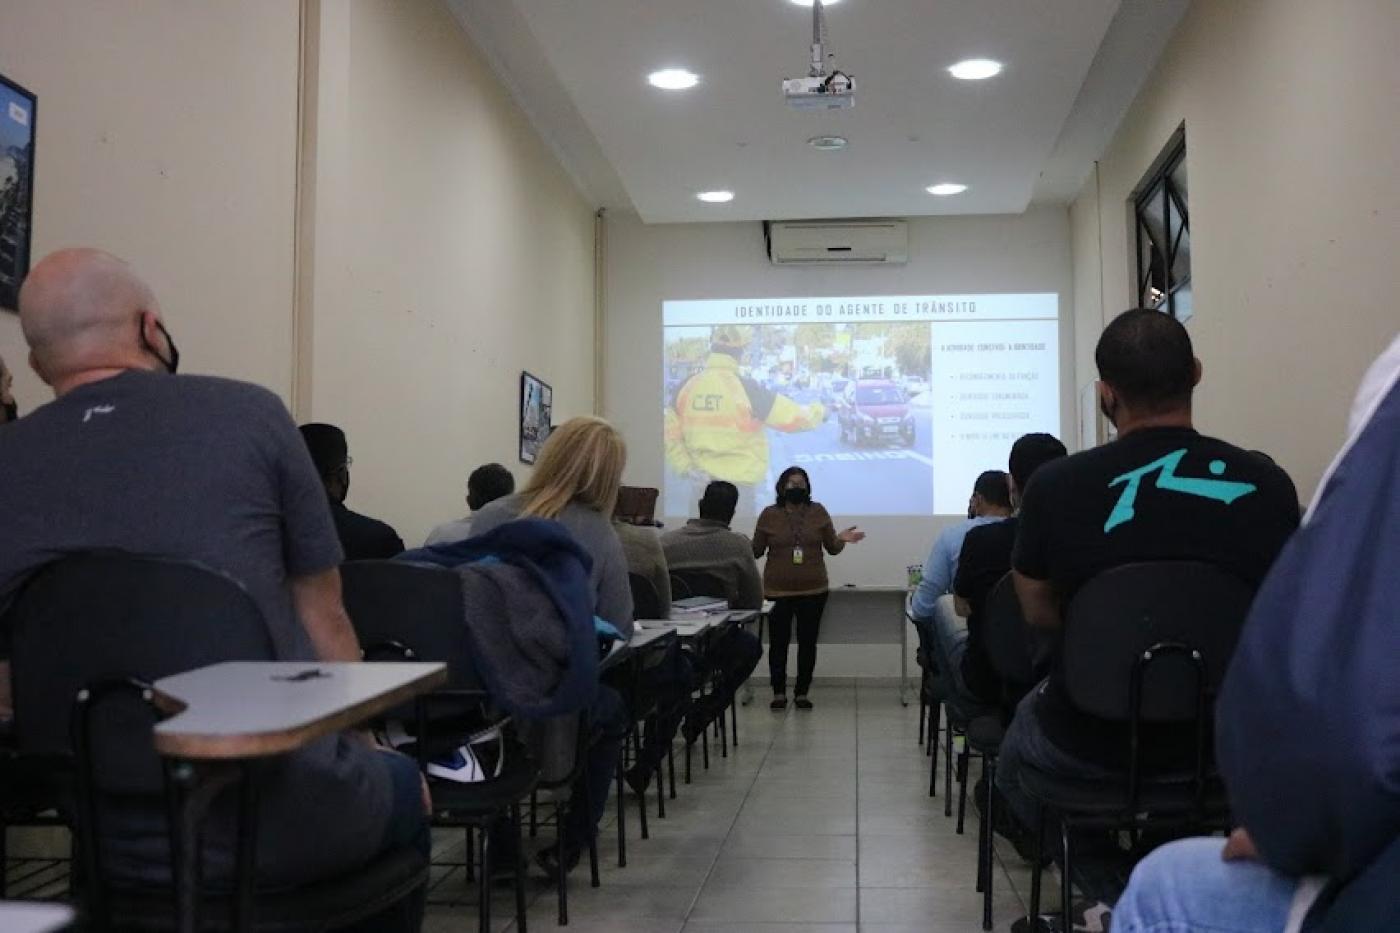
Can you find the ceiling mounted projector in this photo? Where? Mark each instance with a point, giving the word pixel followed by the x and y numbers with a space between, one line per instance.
pixel 822 89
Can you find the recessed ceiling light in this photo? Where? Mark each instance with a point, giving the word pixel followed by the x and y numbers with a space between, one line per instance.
pixel 716 197
pixel 946 188
pixel 673 79
pixel 827 143
pixel 975 69
pixel 809 2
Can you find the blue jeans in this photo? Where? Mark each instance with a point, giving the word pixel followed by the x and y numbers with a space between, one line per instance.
pixel 949 631
pixel 408 827
pixel 1185 887
pixel 1026 744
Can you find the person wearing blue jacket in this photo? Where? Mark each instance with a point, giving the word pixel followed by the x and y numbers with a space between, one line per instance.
pixel 1308 722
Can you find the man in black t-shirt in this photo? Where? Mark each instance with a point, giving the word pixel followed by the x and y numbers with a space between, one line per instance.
pixel 1159 492
pixel 362 537
pixel 986 558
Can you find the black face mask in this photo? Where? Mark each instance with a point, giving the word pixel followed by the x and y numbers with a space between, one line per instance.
pixel 796 495
pixel 171 365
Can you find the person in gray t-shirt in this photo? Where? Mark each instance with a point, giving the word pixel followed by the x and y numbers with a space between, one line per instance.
pixel 132 458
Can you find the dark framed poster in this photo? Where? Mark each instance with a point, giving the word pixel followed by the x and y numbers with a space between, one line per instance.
pixel 536 408
pixel 17 112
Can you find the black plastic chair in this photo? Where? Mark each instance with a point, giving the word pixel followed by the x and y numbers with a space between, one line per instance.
pixel 405 611
pixel 695 581
pixel 89 633
pixel 932 690
pixel 646 602
pixel 1144 645
pixel 1008 643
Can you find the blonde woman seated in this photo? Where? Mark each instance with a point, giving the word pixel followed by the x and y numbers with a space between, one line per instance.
pixel 575 483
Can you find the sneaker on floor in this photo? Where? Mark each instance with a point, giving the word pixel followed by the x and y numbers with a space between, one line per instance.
pixel 549 862
pixel 1085 917
pixel 802 703
pixel 779 702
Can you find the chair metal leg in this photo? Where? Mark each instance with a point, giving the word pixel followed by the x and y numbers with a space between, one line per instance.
pixel 671 767
pixel 689 747
pixel 989 776
pixel 471 854
pixel 1066 889
pixel 962 788
pixel 483 910
pixel 705 748
pixel 923 715
pixel 1033 917
pixel 621 817
pixel 642 797
pixel 723 727
pixel 562 881
pixel 660 794
pixel 520 868
pixel 592 835
pixel 534 807
pixel 733 721
pixel 948 771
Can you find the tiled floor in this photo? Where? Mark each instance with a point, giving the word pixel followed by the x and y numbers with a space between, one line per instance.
pixel 819 821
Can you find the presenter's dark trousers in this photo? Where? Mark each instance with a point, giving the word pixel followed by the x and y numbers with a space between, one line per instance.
pixel 806 613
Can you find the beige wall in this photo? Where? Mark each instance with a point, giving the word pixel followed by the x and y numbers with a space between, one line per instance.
pixel 1292 135
pixel 168 136
pixel 433 250
pixel 451 252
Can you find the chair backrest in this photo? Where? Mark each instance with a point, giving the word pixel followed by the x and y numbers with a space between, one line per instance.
pixel 694 581
pixel 1190 612
pixel 417 606
pixel 1006 636
pixel 92 617
pixel 646 602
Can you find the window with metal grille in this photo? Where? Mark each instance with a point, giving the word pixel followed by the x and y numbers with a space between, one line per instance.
pixel 1163 234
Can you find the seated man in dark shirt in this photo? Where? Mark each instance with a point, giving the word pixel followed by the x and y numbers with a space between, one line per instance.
pixel 362 537
pixel 986 558
pixel 133 458
pixel 1159 492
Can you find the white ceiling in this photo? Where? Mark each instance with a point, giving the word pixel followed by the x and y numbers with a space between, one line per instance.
pixel 578 68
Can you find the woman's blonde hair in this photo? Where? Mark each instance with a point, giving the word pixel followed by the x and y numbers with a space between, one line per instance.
pixel 581 462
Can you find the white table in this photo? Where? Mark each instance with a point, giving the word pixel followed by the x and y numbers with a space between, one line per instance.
pixel 252 709
pixel 22 917
pixel 902 622
pixel 228 716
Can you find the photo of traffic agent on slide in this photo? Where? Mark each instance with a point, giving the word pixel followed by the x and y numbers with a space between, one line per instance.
pixel 847 401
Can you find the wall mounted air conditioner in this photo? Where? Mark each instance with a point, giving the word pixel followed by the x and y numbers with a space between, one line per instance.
pixel 837 242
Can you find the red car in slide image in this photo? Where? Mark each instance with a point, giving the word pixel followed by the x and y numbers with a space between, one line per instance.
pixel 875 411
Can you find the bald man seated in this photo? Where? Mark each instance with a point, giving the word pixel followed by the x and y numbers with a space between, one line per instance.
pixel 132 457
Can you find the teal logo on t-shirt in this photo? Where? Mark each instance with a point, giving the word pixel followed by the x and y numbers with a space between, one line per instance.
pixel 1221 490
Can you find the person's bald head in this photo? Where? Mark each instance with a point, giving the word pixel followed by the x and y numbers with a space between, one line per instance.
pixel 85 311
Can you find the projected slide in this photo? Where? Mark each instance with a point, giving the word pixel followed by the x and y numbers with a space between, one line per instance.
pixel 893 404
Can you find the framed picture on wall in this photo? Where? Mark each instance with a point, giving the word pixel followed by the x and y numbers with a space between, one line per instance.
pixel 17 112
pixel 536 408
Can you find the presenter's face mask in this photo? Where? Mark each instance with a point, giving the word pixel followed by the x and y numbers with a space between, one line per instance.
pixel 797 495
pixel 172 364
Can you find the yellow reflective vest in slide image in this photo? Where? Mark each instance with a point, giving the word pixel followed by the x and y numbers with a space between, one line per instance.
pixel 717 424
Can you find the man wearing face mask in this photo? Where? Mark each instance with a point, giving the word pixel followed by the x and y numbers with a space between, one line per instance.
pixel 132 458
pixel 9 411
pixel 1160 492
pixel 794 532
pixel 362 537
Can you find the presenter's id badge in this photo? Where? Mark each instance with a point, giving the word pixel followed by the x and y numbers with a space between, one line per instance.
pixel 797 555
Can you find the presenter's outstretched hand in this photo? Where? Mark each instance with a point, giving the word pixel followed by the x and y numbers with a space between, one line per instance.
pixel 851 535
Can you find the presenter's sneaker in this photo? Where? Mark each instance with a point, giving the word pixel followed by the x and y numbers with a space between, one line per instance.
pixel 802 703
pixel 779 702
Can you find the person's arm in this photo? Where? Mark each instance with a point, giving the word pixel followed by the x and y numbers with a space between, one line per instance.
pixel 934 582
pixel 760 537
pixel 833 542
pixel 614 591
pixel 1038 603
pixel 1030 558
pixel 318 604
pixel 661 576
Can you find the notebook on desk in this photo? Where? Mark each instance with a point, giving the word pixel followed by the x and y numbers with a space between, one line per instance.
pixel 699 604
